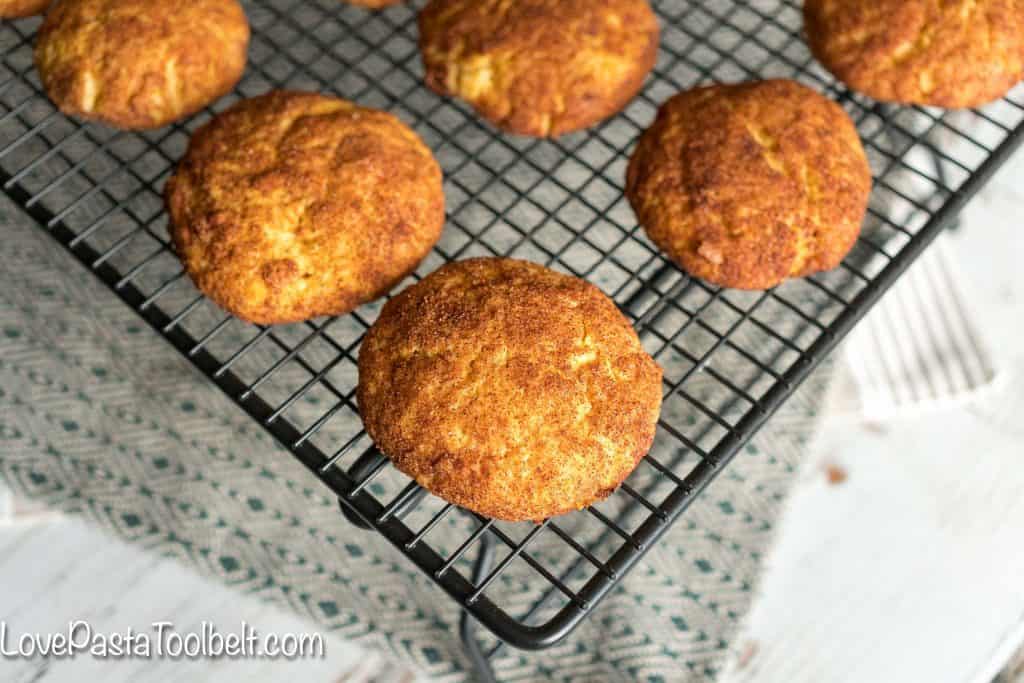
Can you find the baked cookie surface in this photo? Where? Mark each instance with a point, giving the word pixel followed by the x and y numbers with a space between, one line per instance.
pixel 373 4
pixel 508 389
pixel 949 53
pixel 294 205
pixel 11 9
pixel 539 67
pixel 747 185
pixel 140 64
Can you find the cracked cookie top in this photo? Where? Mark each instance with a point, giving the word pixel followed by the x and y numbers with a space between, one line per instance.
pixel 294 205
pixel 140 63
pixel 508 389
pixel 539 67
pixel 947 53
pixel 747 185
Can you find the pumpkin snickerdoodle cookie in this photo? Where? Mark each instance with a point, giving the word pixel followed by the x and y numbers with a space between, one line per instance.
pixel 508 389
pixel 294 205
pixel 539 67
pixel 747 185
pixel 953 53
pixel 139 64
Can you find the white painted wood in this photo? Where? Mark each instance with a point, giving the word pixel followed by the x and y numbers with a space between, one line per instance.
pixel 913 568
pixel 910 570
pixel 55 570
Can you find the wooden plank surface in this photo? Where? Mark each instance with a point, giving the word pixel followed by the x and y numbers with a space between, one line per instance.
pixel 56 570
pixel 912 568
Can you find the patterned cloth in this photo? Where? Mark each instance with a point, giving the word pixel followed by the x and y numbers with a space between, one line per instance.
pixel 100 418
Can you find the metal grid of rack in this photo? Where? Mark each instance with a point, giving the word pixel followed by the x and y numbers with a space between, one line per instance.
pixel 730 358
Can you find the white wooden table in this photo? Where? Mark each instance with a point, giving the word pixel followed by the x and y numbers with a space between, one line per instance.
pixel 912 569
pixel 55 569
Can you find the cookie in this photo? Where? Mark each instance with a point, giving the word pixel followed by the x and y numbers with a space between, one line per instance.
pixel 956 54
pixel 373 4
pixel 508 389
pixel 12 9
pixel 747 185
pixel 295 205
pixel 539 67
pixel 139 64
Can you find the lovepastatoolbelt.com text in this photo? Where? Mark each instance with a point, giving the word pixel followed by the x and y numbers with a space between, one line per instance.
pixel 161 640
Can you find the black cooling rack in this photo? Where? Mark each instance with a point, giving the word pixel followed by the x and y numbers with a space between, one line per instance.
pixel 730 358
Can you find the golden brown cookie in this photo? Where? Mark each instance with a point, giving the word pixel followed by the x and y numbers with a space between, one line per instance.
pixel 948 53
pixel 294 205
pixel 373 4
pixel 508 389
pixel 747 185
pixel 140 63
pixel 10 9
pixel 539 67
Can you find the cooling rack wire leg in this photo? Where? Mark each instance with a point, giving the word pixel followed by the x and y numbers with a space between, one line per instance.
pixel 484 561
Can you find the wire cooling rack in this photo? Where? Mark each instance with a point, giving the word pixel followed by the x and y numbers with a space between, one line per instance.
pixel 730 358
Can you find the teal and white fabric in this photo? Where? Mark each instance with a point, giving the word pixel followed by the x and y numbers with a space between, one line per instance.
pixel 99 417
